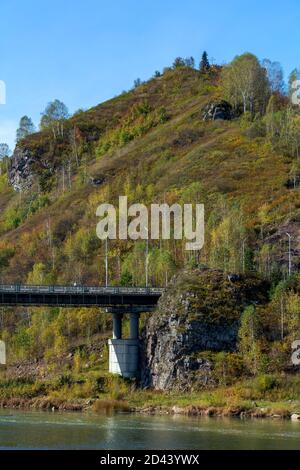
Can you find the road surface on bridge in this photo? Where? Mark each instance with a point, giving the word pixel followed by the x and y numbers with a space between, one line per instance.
pixel 78 296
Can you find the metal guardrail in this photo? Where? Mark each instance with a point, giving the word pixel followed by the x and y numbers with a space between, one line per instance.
pixel 15 288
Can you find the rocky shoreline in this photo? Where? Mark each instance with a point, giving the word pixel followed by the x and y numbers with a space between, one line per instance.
pixel 211 411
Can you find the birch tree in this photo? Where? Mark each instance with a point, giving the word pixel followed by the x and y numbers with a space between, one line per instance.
pixel 53 117
pixel 26 127
pixel 274 74
pixel 245 83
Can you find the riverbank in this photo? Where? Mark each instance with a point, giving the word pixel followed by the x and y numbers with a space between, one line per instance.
pixel 263 396
pixel 226 401
pixel 274 410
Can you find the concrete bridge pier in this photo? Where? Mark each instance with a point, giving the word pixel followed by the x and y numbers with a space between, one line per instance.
pixel 134 319
pixel 117 325
pixel 124 353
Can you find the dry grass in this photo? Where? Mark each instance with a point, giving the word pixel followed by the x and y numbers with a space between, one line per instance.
pixel 109 405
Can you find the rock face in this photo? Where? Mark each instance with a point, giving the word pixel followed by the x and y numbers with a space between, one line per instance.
pixel 200 312
pixel 20 173
pixel 27 164
pixel 97 181
pixel 217 110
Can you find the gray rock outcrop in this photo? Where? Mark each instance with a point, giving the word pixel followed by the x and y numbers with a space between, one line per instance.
pixel 200 312
pixel 20 173
pixel 217 110
pixel 295 417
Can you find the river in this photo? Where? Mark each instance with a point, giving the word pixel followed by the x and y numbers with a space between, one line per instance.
pixel 45 430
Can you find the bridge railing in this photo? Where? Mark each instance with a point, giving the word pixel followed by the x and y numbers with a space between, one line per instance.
pixel 15 288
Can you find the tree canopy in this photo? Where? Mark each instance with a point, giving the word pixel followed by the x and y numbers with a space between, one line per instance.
pixel 245 83
pixel 275 75
pixel 53 116
pixel 204 64
pixel 4 150
pixel 25 128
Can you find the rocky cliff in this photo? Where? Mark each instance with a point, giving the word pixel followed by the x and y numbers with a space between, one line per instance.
pixel 218 110
pixel 20 172
pixel 200 312
pixel 28 164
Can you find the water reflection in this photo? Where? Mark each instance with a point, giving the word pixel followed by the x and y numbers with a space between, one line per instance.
pixel 41 430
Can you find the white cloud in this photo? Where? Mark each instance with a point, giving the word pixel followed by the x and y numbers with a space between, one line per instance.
pixel 8 132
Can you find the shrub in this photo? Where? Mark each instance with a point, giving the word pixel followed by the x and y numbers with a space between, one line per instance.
pixel 265 383
pixel 110 405
pixel 64 380
pixel 77 361
pixel 257 129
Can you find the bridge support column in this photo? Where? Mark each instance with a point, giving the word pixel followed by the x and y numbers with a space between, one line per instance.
pixel 124 357
pixel 134 318
pixel 117 325
pixel 124 353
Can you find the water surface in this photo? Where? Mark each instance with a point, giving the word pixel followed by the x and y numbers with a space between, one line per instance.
pixel 45 430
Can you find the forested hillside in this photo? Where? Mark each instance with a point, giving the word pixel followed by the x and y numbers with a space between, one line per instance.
pixel 185 136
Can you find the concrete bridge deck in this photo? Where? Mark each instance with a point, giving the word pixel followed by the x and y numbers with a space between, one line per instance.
pixel 79 296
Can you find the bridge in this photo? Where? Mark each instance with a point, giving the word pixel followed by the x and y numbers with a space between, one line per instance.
pixel 123 353
pixel 79 296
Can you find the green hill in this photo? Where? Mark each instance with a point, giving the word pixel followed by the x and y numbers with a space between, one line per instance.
pixel 153 145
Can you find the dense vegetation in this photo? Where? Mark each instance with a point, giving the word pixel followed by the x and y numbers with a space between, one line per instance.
pixel 152 144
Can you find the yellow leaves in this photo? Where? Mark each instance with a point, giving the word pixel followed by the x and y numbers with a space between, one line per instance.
pixel 263 214
pixel 294 124
pixel 69 247
pixel 3 183
pixel 139 119
pixel 33 241
pixel 60 345
pixel 77 362
pixel 97 197
pixel 38 275
pixel 6 246
pixel 81 245
pixel 88 317
pixel 223 232
pixel 150 192
pixel 293 314
pixel 293 304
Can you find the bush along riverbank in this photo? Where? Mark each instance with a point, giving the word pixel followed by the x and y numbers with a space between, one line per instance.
pixel 265 396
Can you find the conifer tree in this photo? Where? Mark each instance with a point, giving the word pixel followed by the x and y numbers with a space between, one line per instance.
pixel 204 64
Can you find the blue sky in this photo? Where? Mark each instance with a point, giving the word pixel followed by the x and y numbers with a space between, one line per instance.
pixel 86 51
